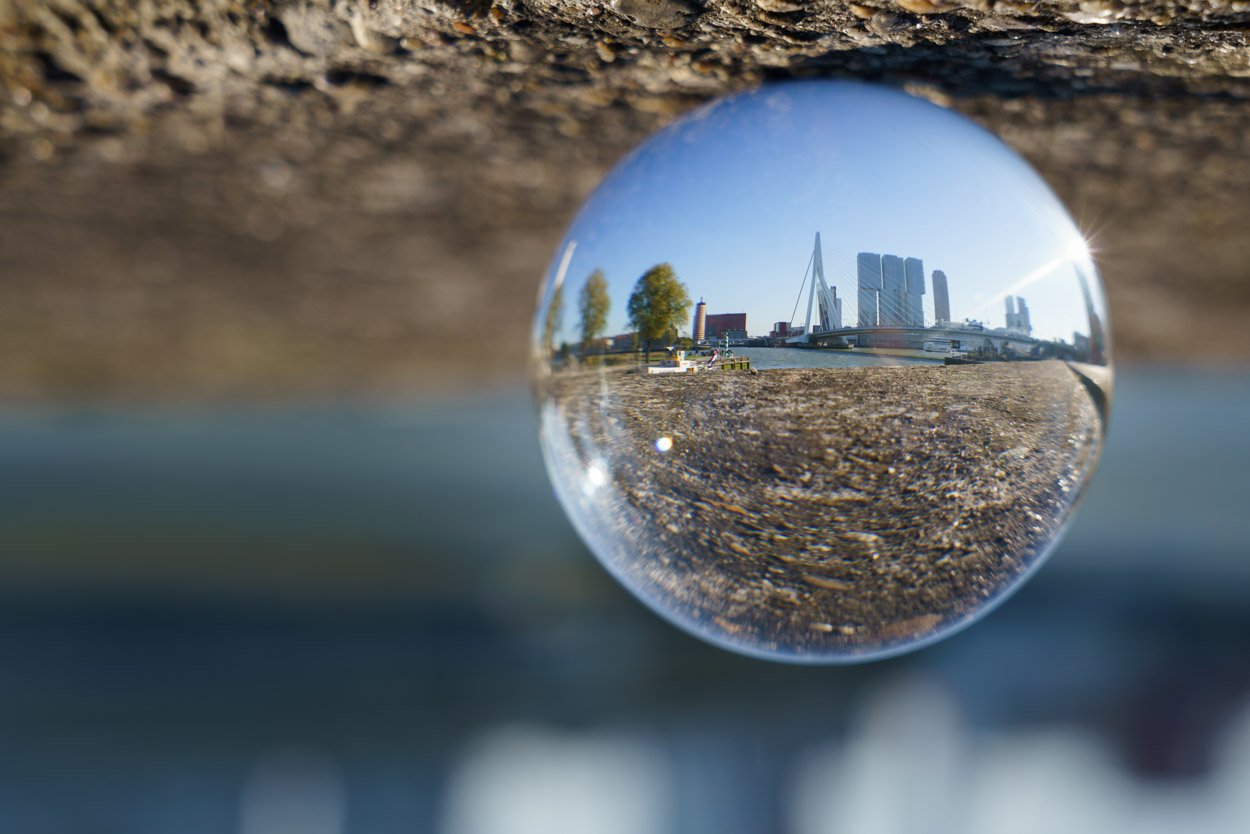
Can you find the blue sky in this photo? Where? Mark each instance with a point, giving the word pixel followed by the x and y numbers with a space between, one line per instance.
pixel 732 194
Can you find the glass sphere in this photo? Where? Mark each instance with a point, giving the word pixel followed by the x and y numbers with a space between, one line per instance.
pixel 821 371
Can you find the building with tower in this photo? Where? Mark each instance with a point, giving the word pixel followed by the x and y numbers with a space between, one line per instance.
pixel 700 321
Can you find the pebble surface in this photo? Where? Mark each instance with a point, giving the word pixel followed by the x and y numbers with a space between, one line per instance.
pixel 829 511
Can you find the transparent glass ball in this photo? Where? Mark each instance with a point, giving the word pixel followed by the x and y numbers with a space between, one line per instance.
pixel 821 371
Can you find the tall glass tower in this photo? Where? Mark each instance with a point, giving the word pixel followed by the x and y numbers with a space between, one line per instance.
pixel 941 297
pixel 868 267
pixel 913 292
pixel 893 283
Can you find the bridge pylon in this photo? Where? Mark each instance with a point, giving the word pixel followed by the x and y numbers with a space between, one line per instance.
pixel 830 306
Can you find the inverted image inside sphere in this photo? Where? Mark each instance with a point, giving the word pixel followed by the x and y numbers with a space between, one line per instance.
pixel 821 371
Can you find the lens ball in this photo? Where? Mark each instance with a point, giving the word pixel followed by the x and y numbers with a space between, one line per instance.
pixel 821 371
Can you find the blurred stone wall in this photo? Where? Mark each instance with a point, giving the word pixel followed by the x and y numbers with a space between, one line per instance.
pixel 317 198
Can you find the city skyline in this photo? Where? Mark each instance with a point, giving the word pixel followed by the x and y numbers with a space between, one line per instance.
pixel 901 289
pixel 890 294
pixel 736 219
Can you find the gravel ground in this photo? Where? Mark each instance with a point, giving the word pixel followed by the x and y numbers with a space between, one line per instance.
pixel 307 198
pixel 823 512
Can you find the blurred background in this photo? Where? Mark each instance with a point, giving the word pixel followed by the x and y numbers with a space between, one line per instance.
pixel 277 553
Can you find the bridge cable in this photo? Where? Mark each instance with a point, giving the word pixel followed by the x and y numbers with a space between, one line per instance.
pixel 798 300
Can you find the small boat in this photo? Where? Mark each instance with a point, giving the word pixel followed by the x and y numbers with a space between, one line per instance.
pixel 679 364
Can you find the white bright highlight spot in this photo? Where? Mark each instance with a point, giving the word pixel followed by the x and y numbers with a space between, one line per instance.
pixel 564 265
pixel 518 780
pixel 293 791
pixel 595 475
pixel 664 444
pixel 1078 249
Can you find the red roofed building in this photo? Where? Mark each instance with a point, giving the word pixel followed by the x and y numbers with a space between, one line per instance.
pixel 718 324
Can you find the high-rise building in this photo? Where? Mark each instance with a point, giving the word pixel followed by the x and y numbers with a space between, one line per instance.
pixel 1018 315
pixel 718 323
pixel 941 297
pixel 893 281
pixel 700 321
pixel 868 267
pixel 913 292
pixel 831 319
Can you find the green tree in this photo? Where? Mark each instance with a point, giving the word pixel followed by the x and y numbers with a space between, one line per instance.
pixel 594 304
pixel 551 326
pixel 659 302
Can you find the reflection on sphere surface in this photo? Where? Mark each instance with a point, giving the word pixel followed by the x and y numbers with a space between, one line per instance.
pixel 821 370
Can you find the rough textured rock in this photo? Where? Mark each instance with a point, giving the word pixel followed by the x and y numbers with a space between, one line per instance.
pixel 314 197
pixel 845 511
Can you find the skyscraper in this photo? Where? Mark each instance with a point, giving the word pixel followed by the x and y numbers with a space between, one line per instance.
pixel 913 292
pixel 941 297
pixel 868 267
pixel 893 282
pixel 1018 315
pixel 700 321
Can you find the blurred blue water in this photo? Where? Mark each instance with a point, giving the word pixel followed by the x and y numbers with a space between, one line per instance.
pixel 377 616
pixel 465 475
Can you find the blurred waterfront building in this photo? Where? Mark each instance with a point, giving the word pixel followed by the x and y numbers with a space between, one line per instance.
pixel 700 321
pixel 718 324
pixel 623 341
pixel 255 711
pixel 941 297
pixel 1081 344
pixel 1018 315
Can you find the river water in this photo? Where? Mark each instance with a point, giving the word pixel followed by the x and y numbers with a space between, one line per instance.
pixel 766 358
